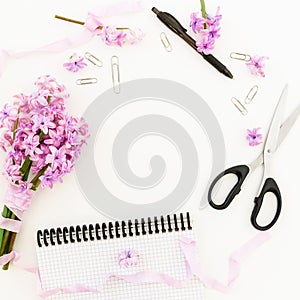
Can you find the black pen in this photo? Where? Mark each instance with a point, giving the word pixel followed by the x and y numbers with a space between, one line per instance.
pixel 176 27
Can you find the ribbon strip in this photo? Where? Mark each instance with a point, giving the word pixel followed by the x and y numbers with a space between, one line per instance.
pixel 10 225
pixel 191 254
pixel 193 267
pixel 89 31
pixel 141 277
pixel 13 255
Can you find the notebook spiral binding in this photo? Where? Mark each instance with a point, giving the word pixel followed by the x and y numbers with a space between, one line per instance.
pixel 111 230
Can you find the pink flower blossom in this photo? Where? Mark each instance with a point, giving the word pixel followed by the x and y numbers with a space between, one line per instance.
pixel 40 98
pixel 253 137
pixel 42 122
pixel 49 178
pixel 12 171
pixel 197 23
pixel 214 21
pixel 7 114
pixel 134 35
pixel 56 157
pixel 30 144
pixel 112 36
pixel 55 89
pixel 205 45
pixel 55 137
pixel 75 63
pixel 256 65
pixel 128 258
pixel 3 145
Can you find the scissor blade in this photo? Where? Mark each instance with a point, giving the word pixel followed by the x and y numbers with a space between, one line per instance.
pixel 288 124
pixel 274 131
pixel 284 131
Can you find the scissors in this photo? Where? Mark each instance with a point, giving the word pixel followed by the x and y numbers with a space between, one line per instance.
pixel 276 135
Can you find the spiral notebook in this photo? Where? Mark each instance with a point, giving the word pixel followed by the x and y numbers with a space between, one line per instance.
pixel 87 258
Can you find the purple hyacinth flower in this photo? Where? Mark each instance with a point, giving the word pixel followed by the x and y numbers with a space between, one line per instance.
pixel 75 63
pixel 253 137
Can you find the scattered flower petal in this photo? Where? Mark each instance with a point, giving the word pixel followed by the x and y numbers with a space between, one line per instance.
pixel 253 137
pixel 75 63
pixel 256 65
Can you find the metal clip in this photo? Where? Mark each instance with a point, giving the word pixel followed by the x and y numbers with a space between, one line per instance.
pixel 93 59
pixel 165 41
pixel 240 56
pixel 83 81
pixel 239 106
pixel 251 94
pixel 115 70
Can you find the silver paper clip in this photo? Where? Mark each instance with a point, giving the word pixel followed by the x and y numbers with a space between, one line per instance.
pixel 93 59
pixel 252 93
pixel 239 106
pixel 240 56
pixel 165 41
pixel 115 71
pixel 83 81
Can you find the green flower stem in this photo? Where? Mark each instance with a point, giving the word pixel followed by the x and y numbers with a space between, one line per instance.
pixel 2 231
pixel 36 180
pixel 16 125
pixel 203 9
pixel 10 247
pixel 41 135
pixel 7 234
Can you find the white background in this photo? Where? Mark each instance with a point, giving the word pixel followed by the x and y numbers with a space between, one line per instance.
pixel 256 27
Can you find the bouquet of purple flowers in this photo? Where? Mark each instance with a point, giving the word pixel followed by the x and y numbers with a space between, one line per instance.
pixel 42 142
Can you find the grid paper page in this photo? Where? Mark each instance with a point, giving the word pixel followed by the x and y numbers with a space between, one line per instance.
pixel 88 263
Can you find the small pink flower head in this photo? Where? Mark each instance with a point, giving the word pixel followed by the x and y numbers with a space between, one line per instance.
pixel 205 45
pixel 197 23
pixel 256 65
pixel 134 35
pixel 49 178
pixel 75 63
pixel 112 36
pixel 8 115
pixel 214 21
pixel 253 137
pixel 128 258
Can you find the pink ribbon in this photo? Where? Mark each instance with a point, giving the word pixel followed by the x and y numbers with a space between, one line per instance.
pixel 138 278
pixel 89 31
pixel 191 254
pixel 13 255
pixel 193 265
pixel 10 225
pixel 17 201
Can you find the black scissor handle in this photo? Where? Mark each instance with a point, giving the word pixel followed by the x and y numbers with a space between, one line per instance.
pixel 270 186
pixel 241 173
